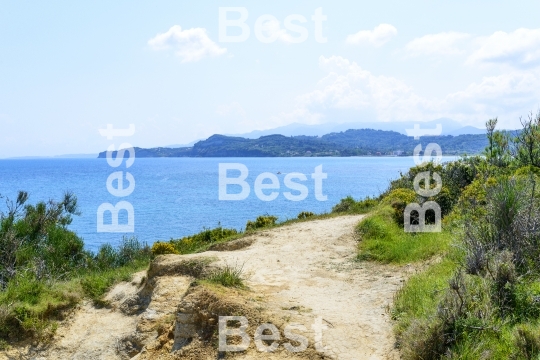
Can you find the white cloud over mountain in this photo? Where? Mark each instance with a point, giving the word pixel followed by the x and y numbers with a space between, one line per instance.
pixel 347 86
pixel 190 45
pixel 379 36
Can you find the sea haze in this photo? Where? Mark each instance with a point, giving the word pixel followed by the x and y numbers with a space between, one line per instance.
pixel 175 197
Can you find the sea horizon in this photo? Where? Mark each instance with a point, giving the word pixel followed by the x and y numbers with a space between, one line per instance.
pixel 176 197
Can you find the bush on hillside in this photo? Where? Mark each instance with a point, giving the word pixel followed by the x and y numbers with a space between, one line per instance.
pixel 344 205
pixel 498 282
pixel 349 205
pixel 455 177
pixel 34 239
pixel 398 199
pixel 305 215
pixel 527 171
pixel 261 222
pixel 130 250
pixel 163 248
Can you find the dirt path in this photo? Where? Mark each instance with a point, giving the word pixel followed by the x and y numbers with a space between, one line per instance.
pixel 305 272
pixel 309 268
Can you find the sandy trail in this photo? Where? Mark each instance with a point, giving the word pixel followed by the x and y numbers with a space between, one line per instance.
pixel 304 272
pixel 309 268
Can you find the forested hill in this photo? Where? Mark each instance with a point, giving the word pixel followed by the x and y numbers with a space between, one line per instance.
pixel 347 143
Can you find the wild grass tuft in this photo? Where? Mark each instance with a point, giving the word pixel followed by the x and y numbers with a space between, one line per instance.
pixel 228 276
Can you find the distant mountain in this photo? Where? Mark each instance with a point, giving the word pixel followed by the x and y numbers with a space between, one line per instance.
pixel 359 142
pixel 449 127
pixel 467 130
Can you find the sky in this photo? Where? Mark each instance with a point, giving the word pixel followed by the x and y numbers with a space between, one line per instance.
pixel 67 69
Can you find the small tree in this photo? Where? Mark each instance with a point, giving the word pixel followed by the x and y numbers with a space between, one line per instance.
pixel 38 234
pixel 498 150
pixel 527 141
pixel 491 124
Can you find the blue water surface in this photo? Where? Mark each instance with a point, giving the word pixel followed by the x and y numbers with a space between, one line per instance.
pixel 175 197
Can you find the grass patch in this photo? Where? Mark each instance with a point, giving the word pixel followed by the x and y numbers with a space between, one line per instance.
pixel 96 284
pixel 29 307
pixel 381 239
pixel 32 308
pixel 419 297
pixel 228 276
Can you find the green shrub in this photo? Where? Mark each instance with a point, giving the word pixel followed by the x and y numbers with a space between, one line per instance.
pixel 495 295
pixel 424 340
pixel 472 201
pixel 398 199
pixel 527 170
pixel 162 248
pixel 445 201
pixel 505 279
pixel 349 205
pixel 107 257
pixel 455 177
pixel 463 311
pixel 345 205
pixel 305 215
pixel 491 306
pixel 261 222
pixel 129 250
pixel 35 238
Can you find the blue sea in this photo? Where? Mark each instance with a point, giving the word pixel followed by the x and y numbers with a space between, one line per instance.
pixel 175 197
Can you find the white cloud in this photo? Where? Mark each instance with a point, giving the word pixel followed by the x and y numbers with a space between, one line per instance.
pixel 380 35
pixel 190 45
pixel 519 48
pixel 511 94
pixel 445 43
pixel 347 88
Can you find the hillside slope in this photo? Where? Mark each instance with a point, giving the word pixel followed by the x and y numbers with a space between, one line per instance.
pixel 300 273
pixel 358 142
